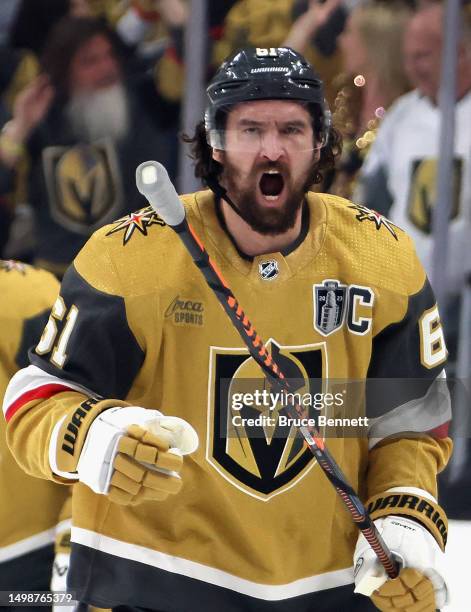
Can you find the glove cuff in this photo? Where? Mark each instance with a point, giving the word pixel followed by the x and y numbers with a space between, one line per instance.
pixel 430 515
pixel 70 432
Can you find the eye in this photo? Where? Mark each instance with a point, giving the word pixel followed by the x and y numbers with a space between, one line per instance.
pixel 292 130
pixel 251 130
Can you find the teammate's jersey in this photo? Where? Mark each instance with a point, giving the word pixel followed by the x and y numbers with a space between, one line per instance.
pixel 406 150
pixel 30 507
pixel 256 526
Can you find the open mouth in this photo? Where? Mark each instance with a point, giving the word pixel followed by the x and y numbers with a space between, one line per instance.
pixel 271 184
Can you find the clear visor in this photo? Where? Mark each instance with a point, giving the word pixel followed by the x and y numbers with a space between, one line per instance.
pixel 256 136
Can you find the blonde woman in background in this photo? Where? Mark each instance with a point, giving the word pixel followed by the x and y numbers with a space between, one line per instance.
pixel 373 77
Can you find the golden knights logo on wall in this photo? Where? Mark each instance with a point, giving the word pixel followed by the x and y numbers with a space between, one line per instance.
pixel 246 443
pixel 423 193
pixel 84 185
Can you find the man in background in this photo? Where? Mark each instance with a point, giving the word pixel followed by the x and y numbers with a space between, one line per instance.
pixel 84 128
pixel 399 178
pixel 400 172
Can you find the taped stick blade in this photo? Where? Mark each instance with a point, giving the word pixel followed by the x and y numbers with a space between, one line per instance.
pixel 153 182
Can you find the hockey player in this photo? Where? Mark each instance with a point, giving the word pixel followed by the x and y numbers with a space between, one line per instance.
pixel 247 521
pixel 30 507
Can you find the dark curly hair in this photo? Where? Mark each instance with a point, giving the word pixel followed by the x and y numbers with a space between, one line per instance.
pixel 207 169
pixel 65 39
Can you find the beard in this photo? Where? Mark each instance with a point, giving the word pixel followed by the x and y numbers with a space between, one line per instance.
pixel 266 221
pixel 99 114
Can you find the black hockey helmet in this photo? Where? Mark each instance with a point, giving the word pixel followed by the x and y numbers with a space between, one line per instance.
pixel 265 74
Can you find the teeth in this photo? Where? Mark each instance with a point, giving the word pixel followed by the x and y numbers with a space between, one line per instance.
pixel 271 197
pixel 272 172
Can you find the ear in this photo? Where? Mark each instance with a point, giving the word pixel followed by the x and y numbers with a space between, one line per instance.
pixel 217 155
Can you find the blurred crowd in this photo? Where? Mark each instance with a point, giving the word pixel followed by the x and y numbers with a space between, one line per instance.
pixel 91 88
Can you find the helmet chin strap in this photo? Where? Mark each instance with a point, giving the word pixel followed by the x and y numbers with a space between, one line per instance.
pixel 221 193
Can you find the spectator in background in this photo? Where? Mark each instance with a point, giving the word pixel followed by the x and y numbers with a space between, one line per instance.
pixel 169 71
pixel 234 24
pixel 5 186
pixel 359 44
pixel 259 22
pixel 33 22
pixel 314 33
pixel 24 28
pixel 85 129
pixel 399 174
pixel 146 25
pixel 373 77
pixel 17 69
pixel 399 178
pixel 311 17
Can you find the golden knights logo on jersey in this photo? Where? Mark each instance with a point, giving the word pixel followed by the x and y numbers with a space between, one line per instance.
pixel 10 264
pixel 139 220
pixel 247 444
pixel 83 184
pixel 366 214
pixel 423 194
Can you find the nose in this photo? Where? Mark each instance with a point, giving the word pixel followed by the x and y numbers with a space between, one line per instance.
pixel 107 68
pixel 272 147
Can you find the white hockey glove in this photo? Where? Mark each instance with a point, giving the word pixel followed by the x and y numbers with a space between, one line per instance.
pixel 131 454
pixel 420 586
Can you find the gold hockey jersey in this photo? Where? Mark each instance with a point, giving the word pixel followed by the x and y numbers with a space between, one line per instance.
pixel 256 526
pixel 30 507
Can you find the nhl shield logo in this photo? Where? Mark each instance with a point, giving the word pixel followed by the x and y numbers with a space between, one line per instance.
pixel 329 306
pixel 268 269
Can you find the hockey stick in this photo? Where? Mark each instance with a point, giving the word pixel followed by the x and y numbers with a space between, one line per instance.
pixel 153 182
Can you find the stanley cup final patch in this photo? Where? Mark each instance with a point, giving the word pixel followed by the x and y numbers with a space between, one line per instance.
pixel 329 306
pixel 268 269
